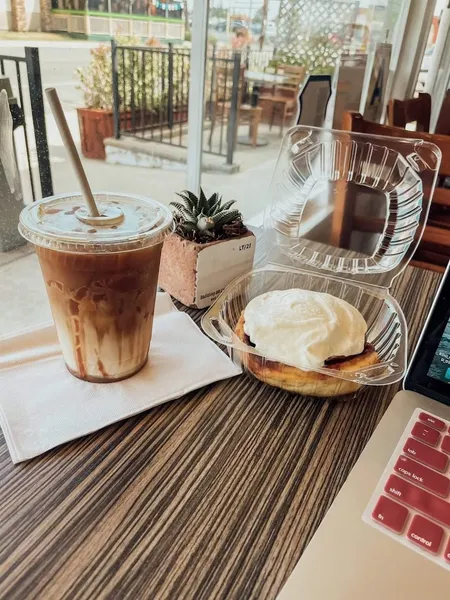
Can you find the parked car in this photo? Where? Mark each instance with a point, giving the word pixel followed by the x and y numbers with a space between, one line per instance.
pixel 238 24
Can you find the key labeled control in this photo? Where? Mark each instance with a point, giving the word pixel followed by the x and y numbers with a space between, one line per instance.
pixel 426 534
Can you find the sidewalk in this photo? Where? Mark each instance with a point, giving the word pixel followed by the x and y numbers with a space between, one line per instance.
pixel 249 187
pixel 37 39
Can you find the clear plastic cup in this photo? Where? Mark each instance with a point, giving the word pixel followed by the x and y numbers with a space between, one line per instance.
pixel 101 276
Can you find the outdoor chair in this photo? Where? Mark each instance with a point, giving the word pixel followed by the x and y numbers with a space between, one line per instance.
pixel 281 101
pixel 246 114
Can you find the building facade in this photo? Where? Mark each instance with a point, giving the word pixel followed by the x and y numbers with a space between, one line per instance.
pixel 100 19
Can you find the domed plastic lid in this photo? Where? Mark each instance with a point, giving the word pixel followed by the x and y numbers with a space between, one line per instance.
pixel 126 223
pixel 349 205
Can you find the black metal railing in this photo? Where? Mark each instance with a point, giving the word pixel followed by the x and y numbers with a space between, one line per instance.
pixel 13 67
pixel 151 94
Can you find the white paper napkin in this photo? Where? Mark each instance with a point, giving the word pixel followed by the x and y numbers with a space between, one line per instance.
pixel 42 405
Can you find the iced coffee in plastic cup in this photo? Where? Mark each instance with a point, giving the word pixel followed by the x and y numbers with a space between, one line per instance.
pixel 101 276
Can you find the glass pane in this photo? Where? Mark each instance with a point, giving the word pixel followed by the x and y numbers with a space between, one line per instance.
pixel 276 54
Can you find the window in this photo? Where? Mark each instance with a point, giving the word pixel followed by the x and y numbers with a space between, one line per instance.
pixel 69 4
pixel 99 5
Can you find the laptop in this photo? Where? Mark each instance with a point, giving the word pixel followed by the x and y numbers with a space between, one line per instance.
pixel 387 534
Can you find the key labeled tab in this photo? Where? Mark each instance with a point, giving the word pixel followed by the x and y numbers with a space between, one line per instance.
pixel 423 476
pixel 433 421
pixel 421 500
pixel 426 455
pixel 425 534
pixel 390 514
pixel 425 434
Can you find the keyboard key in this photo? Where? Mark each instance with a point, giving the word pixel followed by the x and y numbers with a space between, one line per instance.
pixel 425 534
pixel 423 501
pixel 390 514
pixel 446 444
pixel 426 434
pixel 426 455
pixel 447 552
pixel 433 421
pixel 423 476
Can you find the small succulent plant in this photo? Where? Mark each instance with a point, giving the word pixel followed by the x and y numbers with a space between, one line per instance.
pixel 203 219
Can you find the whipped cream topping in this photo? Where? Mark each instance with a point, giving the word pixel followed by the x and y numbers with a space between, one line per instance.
pixel 304 328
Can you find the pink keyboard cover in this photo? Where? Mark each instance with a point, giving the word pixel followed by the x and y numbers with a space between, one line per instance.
pixel 412 500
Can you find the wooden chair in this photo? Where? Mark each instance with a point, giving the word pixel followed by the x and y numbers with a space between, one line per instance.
pixel 296 74
pixel 402 112
pixel 282 101
pixel 433 251
pixel 247 114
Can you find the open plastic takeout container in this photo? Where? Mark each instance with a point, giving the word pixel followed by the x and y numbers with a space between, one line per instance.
pixel 345 215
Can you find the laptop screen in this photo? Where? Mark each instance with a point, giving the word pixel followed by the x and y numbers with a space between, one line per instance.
pixel 440 363
pixel 429 370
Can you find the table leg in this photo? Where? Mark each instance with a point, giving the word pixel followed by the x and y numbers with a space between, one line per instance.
pixel 252 138
pixel 254 98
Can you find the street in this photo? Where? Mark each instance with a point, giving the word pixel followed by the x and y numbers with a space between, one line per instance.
pixel 58 66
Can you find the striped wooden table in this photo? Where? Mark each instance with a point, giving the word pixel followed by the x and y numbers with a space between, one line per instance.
pixel 213 496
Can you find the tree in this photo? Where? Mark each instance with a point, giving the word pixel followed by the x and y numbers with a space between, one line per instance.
pixel 264 12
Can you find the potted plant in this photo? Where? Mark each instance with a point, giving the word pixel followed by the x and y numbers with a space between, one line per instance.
pixel 209 248
pixel 95 119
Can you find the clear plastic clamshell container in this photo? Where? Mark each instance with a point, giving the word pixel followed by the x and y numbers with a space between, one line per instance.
pixel 345 214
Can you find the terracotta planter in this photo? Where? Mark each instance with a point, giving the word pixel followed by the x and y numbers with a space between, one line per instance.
pixel 196 274
pixel 95 126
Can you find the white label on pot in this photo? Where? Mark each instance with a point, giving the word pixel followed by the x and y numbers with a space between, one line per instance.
pixel 219 264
